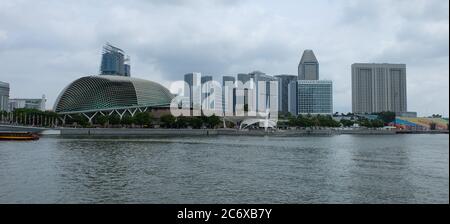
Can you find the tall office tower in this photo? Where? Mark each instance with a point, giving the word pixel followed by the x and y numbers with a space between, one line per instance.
pixel 378 88
pixel 247 89
pixel 205 81
pixel 283 91
pixel 114 62
pixel 292 98
pixel 229 94
pixel 314 97
pixel 192 89
pixel 262 95
pixel 308 68
pixel 4 96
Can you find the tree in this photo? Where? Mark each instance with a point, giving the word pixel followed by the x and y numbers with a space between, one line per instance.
pixel 347 123
pixel 377 123
pixel 168 120
pixel 143 119
pixel 213 121
pixel 195 122
pixel 181 122
pixel 114 119
pixel 292 121
pixel 81 120
pixel 364 122
pixel 127 120
pixel 386 116
pixel 102 120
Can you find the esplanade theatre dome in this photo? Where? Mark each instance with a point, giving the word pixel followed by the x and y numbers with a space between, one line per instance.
pixel 108 92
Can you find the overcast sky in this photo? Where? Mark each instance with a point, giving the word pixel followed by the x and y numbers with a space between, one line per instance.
pixel 45 45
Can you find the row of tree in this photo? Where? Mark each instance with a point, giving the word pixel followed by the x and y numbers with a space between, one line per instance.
pixel 169 121
pixel 142 119
pixel 312 121
pixel 145 119
pixel 328 121
pixel 34 117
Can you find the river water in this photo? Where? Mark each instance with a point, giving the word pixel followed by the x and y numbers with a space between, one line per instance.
pixel 227 169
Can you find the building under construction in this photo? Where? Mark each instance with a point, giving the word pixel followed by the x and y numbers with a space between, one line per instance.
pixel 114 61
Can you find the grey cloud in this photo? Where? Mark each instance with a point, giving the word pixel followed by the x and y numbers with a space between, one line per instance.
pixel 59 41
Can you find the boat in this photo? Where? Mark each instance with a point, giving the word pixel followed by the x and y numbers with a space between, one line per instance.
pixel 18 135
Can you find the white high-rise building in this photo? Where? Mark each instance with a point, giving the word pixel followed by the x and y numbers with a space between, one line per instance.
pixel 19 103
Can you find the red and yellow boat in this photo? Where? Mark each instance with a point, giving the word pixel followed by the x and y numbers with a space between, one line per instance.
pixel 18 135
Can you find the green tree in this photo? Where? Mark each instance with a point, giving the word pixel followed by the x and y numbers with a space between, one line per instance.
pixel 213 121
pixel 386 116
pixel 181 122
pixel 364 122
pixel 81 120
pixel 102 120
pixel 195 122
pixel 127 120
pixel 377 123
pixel 292 121
pixel 347 123
pixel 143 119
pixel 114 119
pixel 168 120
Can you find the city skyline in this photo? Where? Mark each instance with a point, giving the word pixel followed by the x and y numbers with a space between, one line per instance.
pixel 271 39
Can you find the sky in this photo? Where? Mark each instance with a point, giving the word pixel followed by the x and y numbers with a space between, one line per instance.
pixel 47 44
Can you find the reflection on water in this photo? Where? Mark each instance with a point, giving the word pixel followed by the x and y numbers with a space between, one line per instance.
pixel 337 169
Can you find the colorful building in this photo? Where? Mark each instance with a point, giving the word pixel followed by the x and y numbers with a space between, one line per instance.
pixel 421 123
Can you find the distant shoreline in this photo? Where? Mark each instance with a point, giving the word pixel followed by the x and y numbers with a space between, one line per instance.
pixel 167 132
pixel 149 132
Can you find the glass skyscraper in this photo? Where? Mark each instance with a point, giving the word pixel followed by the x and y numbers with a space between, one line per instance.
pixel 315 97
pixel 309 95
pixel 283 94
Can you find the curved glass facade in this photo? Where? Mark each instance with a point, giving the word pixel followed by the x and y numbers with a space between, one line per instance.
pixel 107 92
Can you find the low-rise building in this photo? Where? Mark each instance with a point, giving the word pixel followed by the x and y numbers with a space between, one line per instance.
pixel 18 103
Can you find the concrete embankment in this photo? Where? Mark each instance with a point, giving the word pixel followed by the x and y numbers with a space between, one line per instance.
pixel 137 132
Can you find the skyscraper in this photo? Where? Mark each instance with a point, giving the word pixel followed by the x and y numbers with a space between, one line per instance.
pixel 378 88
pixel 308 68
pixel 262 95
pixel 4 96
pixel 315 97
pixel 292 98
pixel 215 99
pixel 192 89
pixel 283 94
pixel 229 95
pixel 114 62
pixel 309 95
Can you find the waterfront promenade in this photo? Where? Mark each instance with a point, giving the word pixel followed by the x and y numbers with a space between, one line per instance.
pixel 148 132
pixel 208 132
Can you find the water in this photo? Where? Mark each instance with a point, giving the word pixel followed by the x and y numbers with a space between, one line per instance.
pixel 337 169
